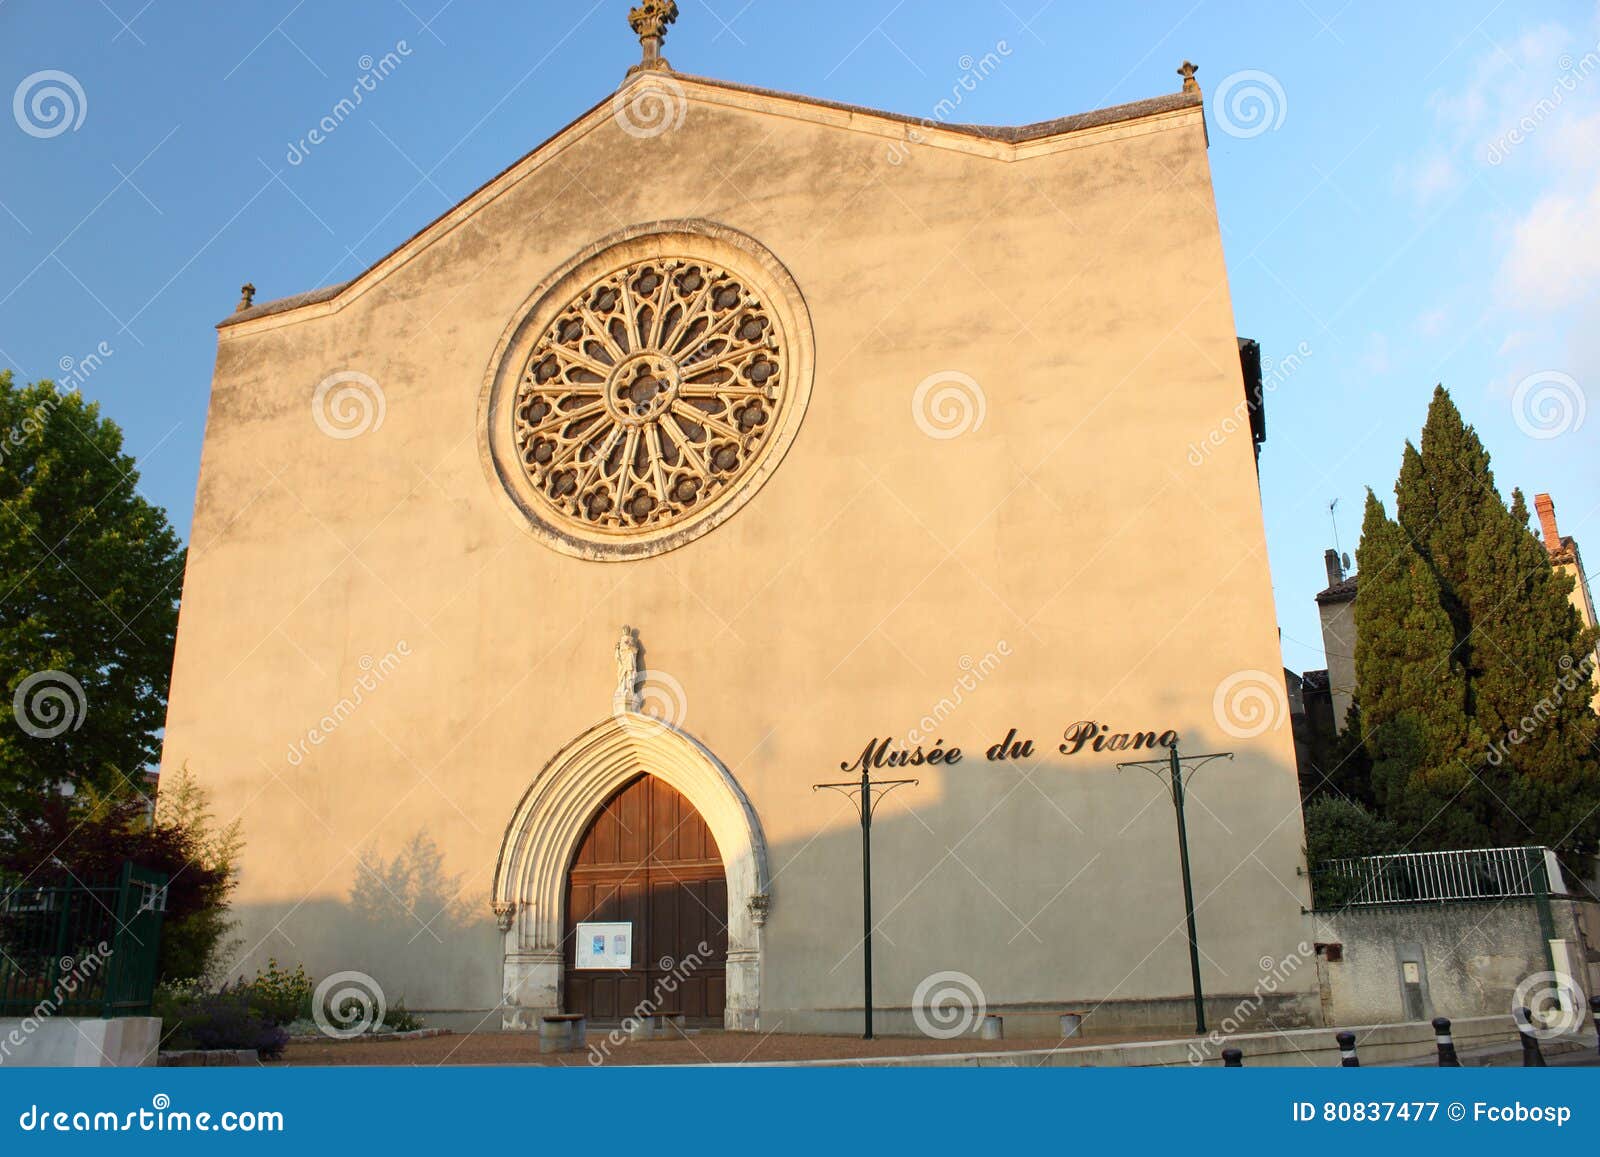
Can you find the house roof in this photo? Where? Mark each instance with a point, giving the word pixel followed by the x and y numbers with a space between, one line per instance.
pixel 1565 551
pixel 1339 592
pixel 1008 134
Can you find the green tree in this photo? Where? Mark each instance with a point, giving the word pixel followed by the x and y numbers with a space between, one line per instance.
pixel 87 837
pixel 1445 499
pixel 1474 649
pixel 1337 828
pixel 1412 689
pixel 92 575
pixel 1532 688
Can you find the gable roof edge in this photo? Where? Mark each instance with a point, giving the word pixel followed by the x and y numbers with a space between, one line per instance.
pixel 1004 143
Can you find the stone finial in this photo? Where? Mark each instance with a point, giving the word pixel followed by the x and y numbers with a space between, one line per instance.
pixel 247 297
pixel 649 22
pixel 1187 71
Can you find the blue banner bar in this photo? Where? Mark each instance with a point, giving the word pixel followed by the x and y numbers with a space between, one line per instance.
pixel 602 1113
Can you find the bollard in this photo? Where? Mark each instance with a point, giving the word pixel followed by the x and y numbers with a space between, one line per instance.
pixel 1447 1046
pixel 1347 1051
pixel 1594 1007
pixel 1532 1057
pixel 1232 1059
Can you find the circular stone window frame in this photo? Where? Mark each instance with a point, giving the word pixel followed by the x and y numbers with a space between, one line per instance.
pixel 707 241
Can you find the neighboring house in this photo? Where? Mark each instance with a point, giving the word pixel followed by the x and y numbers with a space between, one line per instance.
pixel 1333 690
pixel 1337 608
pixel 1564 556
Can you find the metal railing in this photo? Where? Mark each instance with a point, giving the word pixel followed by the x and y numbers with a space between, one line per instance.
pixel 1433 877
pixel 81 949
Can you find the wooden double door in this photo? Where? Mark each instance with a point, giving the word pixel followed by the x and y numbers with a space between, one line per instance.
pixel 649 860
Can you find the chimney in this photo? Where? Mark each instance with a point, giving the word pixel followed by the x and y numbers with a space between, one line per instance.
pixel 1335 569
pixel 1547 522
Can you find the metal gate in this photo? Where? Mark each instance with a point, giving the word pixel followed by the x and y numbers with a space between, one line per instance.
pixel 79 949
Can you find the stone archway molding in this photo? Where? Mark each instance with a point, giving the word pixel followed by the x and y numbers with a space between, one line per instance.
pixel 543 835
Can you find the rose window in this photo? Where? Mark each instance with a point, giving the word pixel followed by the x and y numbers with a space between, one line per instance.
pixel 649 395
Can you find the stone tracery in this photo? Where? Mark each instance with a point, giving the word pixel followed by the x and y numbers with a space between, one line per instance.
pixel 650 394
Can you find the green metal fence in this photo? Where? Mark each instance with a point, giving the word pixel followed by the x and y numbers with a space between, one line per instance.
pixel 1433 878
pixel 81 949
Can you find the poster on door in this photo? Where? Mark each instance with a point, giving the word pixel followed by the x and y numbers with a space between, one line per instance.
pixel 605 945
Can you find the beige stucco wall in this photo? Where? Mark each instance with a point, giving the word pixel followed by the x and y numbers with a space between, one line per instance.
pixel 1582 602
pixel 1339 645
pixel 1080 282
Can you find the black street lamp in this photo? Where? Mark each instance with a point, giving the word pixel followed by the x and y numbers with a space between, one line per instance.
pixel 1173 768
pixel 867 793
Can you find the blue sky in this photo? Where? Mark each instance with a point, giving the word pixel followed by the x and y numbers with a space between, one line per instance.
pixel 1382 221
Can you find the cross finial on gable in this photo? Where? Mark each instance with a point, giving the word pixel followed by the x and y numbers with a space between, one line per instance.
pixel 649 22
pixel 1187 71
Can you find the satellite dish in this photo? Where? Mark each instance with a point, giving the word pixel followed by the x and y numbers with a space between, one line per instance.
pixel 1346 560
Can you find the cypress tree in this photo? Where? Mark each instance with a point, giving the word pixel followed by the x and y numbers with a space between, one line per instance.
pixel 1472 667
pixel 1412 692
pixel 1532 687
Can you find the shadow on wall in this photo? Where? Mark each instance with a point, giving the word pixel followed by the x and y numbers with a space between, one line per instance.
pixel 408 923
pixel 1047 883
pixel 1060 872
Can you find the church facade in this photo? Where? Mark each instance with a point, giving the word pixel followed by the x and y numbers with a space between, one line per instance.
pixel 727 442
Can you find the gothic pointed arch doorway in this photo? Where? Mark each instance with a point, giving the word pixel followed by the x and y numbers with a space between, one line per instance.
pixel 647 862
pixel 554 819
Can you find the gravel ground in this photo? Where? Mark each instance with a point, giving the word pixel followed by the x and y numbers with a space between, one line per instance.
pixel 709 1046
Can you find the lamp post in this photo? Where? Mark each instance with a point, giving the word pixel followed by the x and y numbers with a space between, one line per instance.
pixel 867 793
pixel 1172 766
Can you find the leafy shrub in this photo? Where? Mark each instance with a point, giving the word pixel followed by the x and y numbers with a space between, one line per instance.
pixel 278 994
pixel 191 1019
pixel 398 1018
pixel 87 837
pixel 1338 828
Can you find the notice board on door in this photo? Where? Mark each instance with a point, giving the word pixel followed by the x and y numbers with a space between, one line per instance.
pixel 607 945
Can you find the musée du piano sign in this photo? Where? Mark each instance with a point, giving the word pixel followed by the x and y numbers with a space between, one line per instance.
pixel 815 425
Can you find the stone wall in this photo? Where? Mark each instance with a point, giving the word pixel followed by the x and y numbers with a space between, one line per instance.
pixel 1469 957
pixel 79 1042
